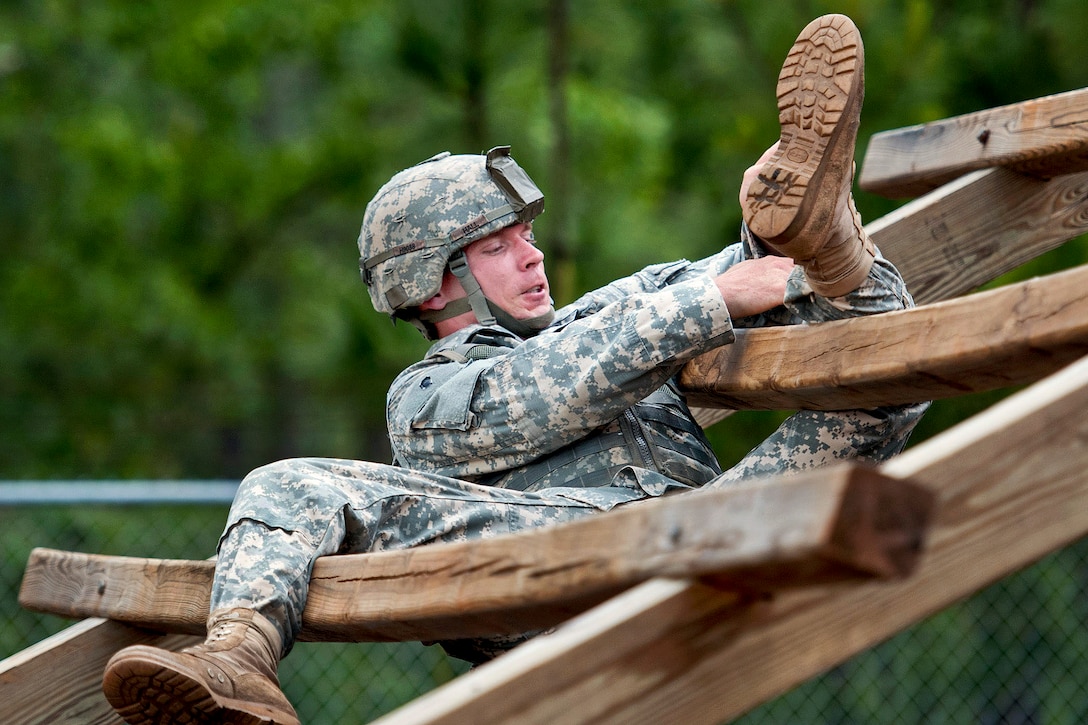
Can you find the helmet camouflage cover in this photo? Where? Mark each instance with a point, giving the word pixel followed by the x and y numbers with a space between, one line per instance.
pixel 426 214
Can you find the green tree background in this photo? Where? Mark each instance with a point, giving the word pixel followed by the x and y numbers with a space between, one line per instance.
pixel 181 186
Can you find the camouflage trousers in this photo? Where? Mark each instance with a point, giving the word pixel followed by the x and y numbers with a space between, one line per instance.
pixel 288 514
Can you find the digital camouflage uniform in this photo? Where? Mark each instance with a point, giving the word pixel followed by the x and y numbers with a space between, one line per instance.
pixel 494 434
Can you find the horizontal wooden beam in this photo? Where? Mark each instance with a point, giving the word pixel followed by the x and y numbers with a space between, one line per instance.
pixel 1012 485
pixel 831 525
pixel 1009 336
pixel 1044 137
pixel 973 230
pixel 950 242
pixel 953 240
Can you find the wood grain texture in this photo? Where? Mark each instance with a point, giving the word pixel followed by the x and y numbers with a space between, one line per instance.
pixel 831 525
pixel 677 651
pixel 59 680
pixel 976 228
pixel 1044 137
pixel 1009 336
pixel 948 243
pixel 945 244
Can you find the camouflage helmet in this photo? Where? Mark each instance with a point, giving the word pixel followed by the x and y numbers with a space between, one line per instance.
pixel 419 222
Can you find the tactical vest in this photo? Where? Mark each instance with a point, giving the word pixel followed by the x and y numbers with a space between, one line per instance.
pixel 658 433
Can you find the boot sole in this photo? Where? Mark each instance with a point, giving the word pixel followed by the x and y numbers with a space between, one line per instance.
pixel 145 690
pixel 819 101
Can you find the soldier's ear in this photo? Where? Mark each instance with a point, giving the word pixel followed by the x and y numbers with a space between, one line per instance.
pixel 435 303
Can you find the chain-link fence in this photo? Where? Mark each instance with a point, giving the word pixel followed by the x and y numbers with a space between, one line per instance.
pixel 1016 652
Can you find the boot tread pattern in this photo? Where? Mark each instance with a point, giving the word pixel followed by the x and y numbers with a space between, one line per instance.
pixel 151 695
pixel 814 88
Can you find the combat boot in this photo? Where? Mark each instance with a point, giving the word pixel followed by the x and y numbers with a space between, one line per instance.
pixel 230 678
pixel 800 203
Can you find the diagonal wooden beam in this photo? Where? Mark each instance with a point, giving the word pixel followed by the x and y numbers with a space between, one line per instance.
pixel 59 680
pixel 1009 336
pixel 1044 137
pixel 830 525
pixel 1012 485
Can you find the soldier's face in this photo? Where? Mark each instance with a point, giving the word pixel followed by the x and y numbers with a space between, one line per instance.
pixel 510 269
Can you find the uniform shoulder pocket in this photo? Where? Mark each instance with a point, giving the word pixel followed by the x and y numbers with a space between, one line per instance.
pixel 446 400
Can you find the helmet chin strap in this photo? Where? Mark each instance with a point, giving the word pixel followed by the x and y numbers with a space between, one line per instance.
pixel 459 267
pixel 486 311
pixel 522 328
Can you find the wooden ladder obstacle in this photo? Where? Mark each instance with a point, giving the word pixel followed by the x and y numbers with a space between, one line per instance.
pixel 726 599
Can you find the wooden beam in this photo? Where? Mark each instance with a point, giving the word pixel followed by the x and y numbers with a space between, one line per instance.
pixel 831 525
pixel 957 238
pixel 975 229
pixel 1009 336
pixel 845 523
pixel 58 681
pixel 1044 137
pixel 1012 485
pixel 962 236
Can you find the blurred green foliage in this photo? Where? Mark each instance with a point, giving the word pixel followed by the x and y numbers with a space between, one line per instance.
pixel 181 186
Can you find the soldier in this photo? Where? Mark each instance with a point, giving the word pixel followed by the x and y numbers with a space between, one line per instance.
pixel 522 416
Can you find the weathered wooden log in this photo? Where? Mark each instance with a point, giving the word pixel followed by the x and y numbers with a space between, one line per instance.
pixel 1044 137
pixel 1012 485
pixel 973 230
pixel 830 525
pixel 59 680
pixel 947 243
pixel 953 240
pixel 1005 337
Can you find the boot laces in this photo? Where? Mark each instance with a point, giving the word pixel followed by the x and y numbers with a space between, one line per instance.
pixel 222 631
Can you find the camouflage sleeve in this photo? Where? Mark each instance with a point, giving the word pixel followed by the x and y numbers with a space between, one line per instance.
pixel 472 417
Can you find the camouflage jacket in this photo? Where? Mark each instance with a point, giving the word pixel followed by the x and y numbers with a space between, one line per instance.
pixel 484 403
